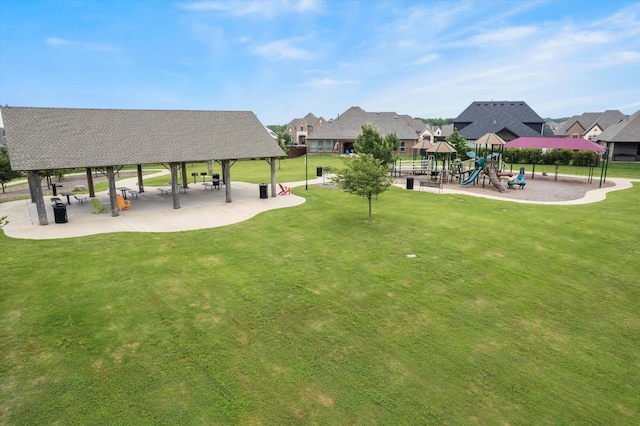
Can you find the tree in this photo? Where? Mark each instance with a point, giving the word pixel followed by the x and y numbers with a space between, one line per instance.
pixel 370 142
pixel 281 142
pixel 6 173
pixel 364 176
pixel 436 122
pixel 459 143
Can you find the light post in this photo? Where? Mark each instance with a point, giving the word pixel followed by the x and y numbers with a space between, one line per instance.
pixel 306 173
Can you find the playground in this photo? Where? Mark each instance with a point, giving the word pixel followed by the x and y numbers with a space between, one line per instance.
pixel 539 189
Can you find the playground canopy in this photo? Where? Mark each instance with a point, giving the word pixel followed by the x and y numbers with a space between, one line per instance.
pixel 577 144
pixel 423 144
pixel 490 139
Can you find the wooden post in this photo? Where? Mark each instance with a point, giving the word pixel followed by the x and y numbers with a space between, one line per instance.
pixel 273 176
pixel 112 192
pixel 185 181
pixel 210 167
pixel 33 176
pixel 92 192
pixel 226 175
pixel 140 181
pixel 174 185
pixel 32 183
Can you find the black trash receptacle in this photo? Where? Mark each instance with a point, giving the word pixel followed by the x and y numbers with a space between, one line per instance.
pixel 263 191
pixel 60 213
pixel 319 171
pixel 409 182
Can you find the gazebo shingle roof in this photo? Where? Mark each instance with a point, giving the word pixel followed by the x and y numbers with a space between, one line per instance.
pixel 53 138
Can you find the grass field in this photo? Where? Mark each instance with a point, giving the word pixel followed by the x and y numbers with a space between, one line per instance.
pixel 509 314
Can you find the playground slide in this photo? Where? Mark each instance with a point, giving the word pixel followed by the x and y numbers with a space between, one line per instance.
pixel 472 177
pixel 493 177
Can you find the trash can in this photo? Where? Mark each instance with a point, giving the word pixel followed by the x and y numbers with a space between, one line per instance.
pixel 319 171
pixel 60 213
pixel 263 191
pixel 409 182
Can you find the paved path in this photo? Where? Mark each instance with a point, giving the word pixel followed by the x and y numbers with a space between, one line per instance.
pixel 200 209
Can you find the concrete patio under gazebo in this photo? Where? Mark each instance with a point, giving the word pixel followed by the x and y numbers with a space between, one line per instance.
pixel 108 139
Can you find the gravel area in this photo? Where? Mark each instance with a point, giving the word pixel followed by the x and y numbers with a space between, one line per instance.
pixel 539 188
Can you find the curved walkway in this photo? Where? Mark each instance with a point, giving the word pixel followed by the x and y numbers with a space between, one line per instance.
pixel 200 209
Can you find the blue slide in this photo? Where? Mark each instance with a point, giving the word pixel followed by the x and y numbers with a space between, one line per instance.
pixel 472 177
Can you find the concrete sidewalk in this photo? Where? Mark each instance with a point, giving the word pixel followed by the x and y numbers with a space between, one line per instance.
pixel 200 208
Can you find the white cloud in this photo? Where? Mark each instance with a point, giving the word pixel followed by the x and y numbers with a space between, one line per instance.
pixel 97 47
pixel 507 35
pixel 266 9
pixel 325 82
pixel 282 49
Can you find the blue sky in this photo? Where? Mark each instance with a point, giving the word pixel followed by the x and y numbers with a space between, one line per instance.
pixel 283 59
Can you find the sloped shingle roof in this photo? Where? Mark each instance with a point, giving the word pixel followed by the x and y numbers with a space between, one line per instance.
pixel 626 130
pixel 589 119
pixel 349 125
pixel 53 138
pixel 510 115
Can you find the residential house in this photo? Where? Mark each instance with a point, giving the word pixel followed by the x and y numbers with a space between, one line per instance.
pixel 338 135
pixel 589 124
pixel 424 131
pixel 622 139
pixel 507 119
pixel 299 128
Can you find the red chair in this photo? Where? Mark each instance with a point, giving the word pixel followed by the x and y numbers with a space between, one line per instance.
pixel 284 190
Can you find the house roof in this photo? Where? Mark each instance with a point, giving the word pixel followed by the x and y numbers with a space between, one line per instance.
pixel 54 138
pixel 494 116
pixel 310 118
pixel 348 125
pixel 589 119
pixel 626 130
pixel 418 125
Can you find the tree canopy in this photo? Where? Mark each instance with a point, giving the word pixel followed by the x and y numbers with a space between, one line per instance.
pixel 371 142
pixel 6 174
pixel 461 145
pixel 364 176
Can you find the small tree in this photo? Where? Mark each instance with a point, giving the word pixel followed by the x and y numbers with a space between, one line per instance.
pixel 6 173
pixel 364 176
pixel 461 145
pixel 370 142
pixel 284 148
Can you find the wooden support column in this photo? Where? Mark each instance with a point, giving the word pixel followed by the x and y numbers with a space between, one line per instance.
pixel 226 176
pixel 185 181
pixel 174 185
pixel 112 192
pixel 92 192
pixel 273 176
pixel 140 181
pixel 32 183
pixel 33 176
pixel 210 167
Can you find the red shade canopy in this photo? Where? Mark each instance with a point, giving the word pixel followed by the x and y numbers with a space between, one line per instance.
pixel 555 143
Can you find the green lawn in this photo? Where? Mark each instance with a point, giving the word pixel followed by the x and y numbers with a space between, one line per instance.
pixel 509 314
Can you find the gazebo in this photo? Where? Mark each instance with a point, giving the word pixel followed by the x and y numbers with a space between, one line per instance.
pixel 108 139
